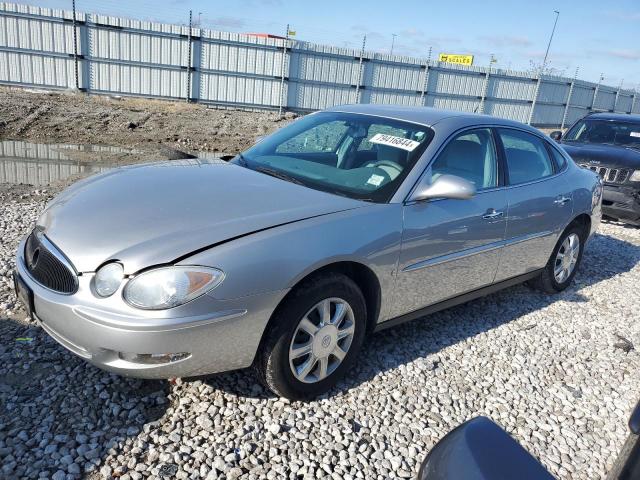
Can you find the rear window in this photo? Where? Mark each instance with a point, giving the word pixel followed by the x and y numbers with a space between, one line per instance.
pixel 527 156
pixel 559 159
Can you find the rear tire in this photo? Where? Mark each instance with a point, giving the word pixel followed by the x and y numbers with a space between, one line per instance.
pixel 314 338
pixel 564 262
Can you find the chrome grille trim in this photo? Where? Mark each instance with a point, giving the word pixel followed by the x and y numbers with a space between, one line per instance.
pixel 48 266
pixel 609 175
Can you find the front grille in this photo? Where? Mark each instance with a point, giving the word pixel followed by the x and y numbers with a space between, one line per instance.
pixel 48 266
pixel 609 175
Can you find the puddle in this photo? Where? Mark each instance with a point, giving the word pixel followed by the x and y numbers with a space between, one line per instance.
pixel 40 164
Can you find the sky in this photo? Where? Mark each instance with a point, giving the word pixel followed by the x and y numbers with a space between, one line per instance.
pixel 596 36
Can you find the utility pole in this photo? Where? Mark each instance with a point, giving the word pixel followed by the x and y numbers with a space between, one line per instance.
pixel 75 45
pixel 544 62
pixel 393 41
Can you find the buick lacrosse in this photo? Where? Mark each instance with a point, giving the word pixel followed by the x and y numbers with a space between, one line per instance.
pixel 286 258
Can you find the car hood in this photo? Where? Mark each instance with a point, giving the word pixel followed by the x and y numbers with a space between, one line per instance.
pixel 605 155
pixel 152 214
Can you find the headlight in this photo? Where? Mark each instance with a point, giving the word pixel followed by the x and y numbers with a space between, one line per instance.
pixel 168 287
pixel 108 279
pixel 635 176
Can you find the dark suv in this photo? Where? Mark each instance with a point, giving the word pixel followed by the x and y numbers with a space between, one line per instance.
pixel 609 144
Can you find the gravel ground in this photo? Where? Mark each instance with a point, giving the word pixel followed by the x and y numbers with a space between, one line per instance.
pixel 560 373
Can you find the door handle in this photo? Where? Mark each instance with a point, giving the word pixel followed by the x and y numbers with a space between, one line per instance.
pixel 561 200
pixel 492 214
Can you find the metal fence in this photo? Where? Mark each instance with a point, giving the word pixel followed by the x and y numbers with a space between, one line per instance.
pixel 121 56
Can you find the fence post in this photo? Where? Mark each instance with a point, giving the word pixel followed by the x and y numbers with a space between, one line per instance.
pixel 425 84
pixel 615 103
pixel 535 99
pixel 189 57
pixel 194 67
pixel 633 102
pixel 485 89
pixel 85 53
pixel 566 107
pixel 284 58
pixel 595 93
pixel 75 45
pixel 360 70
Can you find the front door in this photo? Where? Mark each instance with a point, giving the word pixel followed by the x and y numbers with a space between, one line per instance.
pixel 449 246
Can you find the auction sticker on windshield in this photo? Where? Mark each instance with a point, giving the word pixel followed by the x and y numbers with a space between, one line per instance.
pixel 393 141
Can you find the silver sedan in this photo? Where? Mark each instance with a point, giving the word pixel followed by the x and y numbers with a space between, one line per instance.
pixel 286 258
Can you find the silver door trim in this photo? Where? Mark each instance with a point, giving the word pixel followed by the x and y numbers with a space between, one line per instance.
pixel 489 247
pixel 526 238
pixel 454 256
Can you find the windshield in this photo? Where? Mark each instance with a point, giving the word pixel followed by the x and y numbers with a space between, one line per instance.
pixel 605 131
pixel 357 156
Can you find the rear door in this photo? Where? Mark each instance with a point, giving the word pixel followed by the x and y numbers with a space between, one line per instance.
pixel 449 246
pixel 540 202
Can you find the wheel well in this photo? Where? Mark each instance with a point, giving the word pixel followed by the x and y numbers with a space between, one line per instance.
pixel 584 221
pixel 362 275
pixel 366 280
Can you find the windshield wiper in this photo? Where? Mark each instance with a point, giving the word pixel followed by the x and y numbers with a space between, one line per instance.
pixel 278 174
pixel 241 160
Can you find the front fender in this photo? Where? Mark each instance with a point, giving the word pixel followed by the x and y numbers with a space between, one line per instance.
pixel 278 258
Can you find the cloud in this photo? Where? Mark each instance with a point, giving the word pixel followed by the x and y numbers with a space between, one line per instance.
pixel 506 40
pixel 624 54
pixel 534 53
pixel 224 22
pixel 412 33
pixel 627 16
pixel 439 42
pixel 360 30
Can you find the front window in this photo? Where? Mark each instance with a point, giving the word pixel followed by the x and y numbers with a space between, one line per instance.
pixel 357 156
pixel 605 131
pixel 472 156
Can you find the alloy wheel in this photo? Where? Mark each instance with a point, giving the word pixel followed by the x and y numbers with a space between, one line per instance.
pixel 566 258
pixel 321 340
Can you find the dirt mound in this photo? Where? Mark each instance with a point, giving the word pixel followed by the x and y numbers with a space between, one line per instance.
pixel 129 122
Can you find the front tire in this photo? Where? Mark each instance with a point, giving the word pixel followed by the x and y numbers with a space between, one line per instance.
pixel 563 264
pixel 315 336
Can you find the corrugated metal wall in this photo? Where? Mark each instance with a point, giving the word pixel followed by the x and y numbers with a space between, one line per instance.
pixel 130 57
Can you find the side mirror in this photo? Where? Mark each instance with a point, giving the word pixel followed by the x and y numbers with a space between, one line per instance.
pixel 445 186
pixel 556 135
pixel 480 450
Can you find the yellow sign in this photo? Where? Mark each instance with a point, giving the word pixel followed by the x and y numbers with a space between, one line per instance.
pixel 292 33
pixel 455 58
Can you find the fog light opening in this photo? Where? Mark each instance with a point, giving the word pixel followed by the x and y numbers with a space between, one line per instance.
pixel 153 358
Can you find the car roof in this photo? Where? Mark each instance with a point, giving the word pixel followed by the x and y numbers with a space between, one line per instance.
pixel 622 117
pixel 425 115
